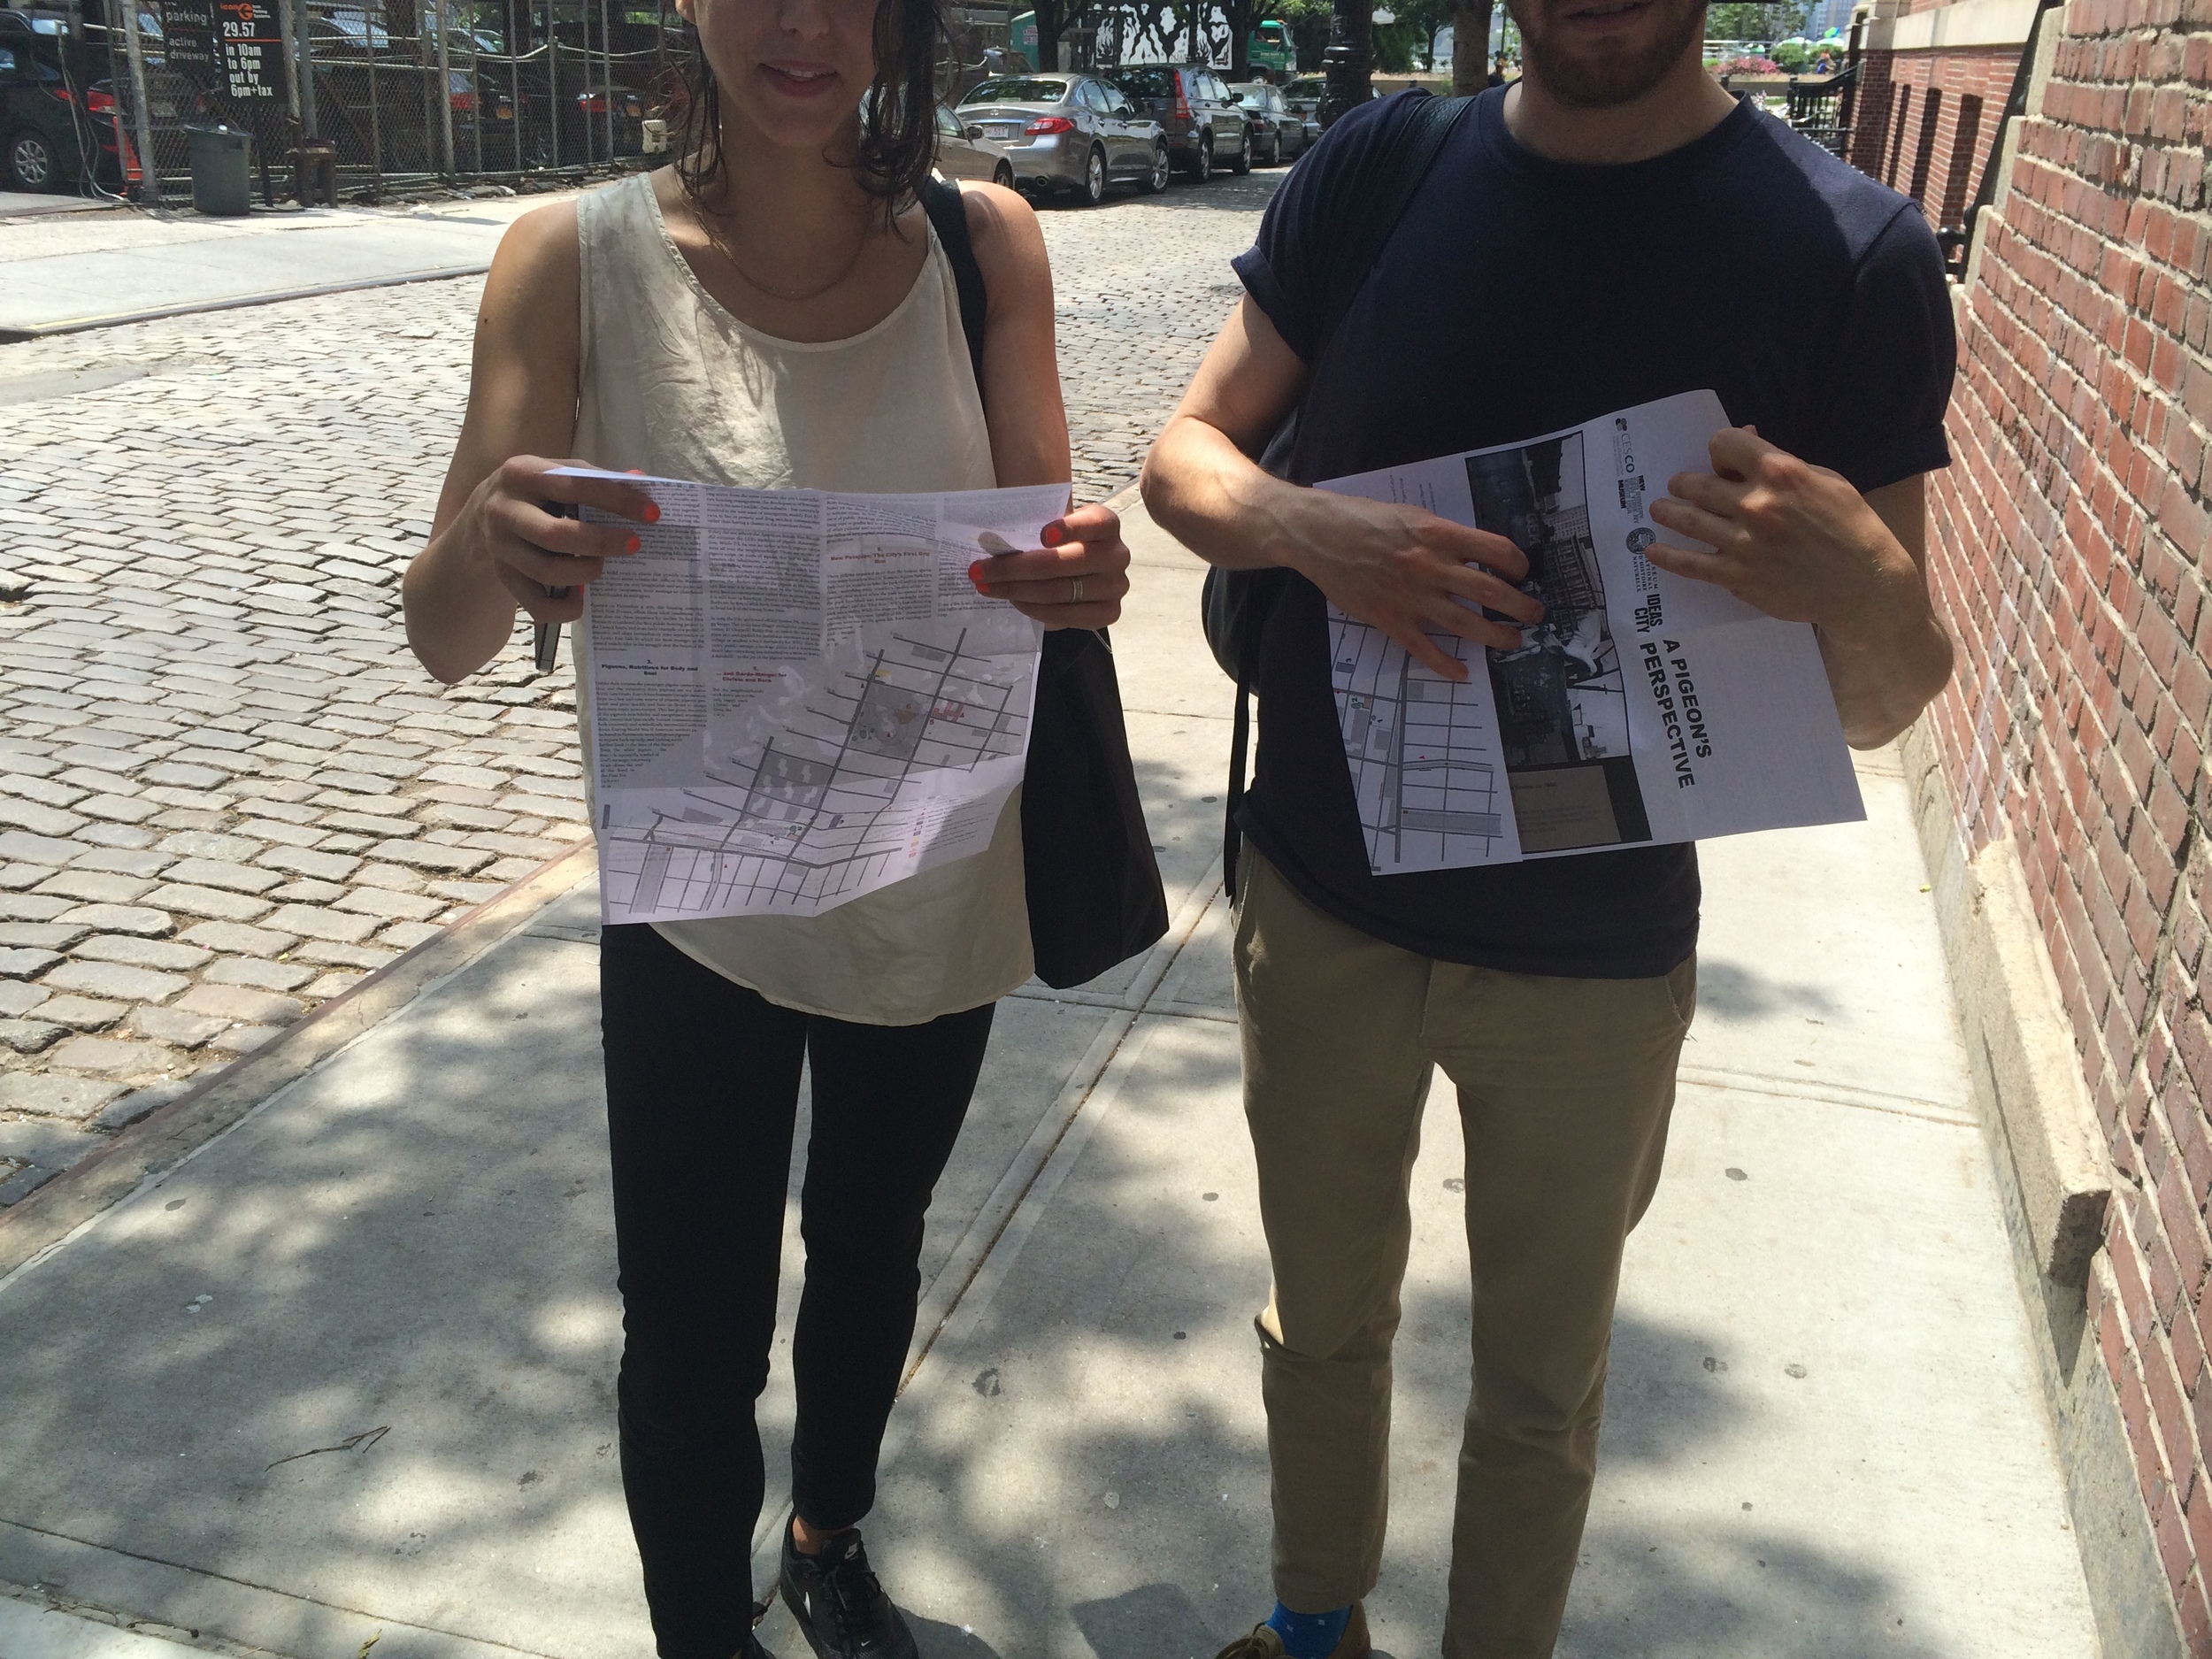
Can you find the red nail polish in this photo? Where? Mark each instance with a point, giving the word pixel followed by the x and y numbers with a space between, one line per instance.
pixel 1053 535
pixel 652 512
pixel 632 545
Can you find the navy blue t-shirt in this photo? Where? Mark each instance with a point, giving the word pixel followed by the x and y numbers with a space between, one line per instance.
pixel 1520 295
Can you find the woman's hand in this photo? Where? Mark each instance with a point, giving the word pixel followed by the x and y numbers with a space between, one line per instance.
pixel 1077 581
pixel 507 530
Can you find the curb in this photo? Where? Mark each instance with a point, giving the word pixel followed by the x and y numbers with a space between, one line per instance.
pixel 170 1133
pixel 112 320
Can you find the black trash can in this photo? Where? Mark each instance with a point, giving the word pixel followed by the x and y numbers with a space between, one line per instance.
pixel 222 169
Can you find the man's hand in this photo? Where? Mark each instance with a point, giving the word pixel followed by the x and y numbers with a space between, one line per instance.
pixel 1793 539
pixel 1405 572
pixel 1799 542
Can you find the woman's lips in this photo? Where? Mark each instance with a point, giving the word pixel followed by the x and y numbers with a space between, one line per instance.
pixel 800 81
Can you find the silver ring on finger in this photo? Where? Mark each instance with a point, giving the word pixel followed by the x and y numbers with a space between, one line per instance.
pixel 1075 590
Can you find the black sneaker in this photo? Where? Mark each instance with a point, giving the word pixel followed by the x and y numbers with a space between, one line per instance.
pixel 839 1605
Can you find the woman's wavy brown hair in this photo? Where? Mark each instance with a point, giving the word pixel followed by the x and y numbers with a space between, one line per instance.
pixel 898 118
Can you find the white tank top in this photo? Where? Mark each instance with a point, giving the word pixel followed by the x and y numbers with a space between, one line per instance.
pixel 671 383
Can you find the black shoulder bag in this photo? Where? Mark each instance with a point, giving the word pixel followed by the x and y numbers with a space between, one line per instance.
pixel 1356 224
pixel 1092 885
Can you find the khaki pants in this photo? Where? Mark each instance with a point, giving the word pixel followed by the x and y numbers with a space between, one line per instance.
pixel 1565 1087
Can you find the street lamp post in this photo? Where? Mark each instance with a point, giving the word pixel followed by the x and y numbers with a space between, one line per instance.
pixel 142 115
pixel 1349 60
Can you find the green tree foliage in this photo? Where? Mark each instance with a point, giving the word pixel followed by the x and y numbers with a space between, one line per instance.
pixel 1405 43
pixel 1745 20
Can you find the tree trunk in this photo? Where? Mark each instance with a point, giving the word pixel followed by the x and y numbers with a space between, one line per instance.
pixel 1470 45
pixel 1048 20
pixel 1242 16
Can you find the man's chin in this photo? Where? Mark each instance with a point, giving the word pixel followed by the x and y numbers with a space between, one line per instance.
pixel 1600 83
pixel 1604 75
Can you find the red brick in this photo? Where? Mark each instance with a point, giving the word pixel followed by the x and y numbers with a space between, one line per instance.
pixel 2196 1612
pixel 2172 1533
pixel 2171 1411
pixel 2188 1348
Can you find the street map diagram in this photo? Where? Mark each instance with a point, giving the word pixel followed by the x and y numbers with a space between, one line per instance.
pixel 1427 771
pixel 795 698
pixel 836 799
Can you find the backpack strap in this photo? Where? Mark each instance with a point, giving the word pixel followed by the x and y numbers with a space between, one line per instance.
pixel 1356 225
pixel 1373 202
pixel 948 216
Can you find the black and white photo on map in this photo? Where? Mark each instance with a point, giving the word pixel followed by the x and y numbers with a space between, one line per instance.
pixel 1562 700
pixel 1560 697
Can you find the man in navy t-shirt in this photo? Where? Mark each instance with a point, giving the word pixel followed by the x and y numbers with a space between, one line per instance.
pixel 1613 229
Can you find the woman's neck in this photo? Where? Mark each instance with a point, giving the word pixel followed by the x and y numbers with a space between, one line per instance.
pixel 790 241
pixel 786 205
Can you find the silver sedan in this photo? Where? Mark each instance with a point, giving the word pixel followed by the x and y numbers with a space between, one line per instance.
pixel 1067 132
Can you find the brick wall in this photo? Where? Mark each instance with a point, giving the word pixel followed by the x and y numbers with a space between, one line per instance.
pixel 1937 162
pixel 2071 555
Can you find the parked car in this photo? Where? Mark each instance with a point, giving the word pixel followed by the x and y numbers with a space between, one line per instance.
pixel 1304 96
pixel 630 111
pixel 1067 132
pixel 1278 133
pixel 963 152
pixel 53 136
pixel 1203 124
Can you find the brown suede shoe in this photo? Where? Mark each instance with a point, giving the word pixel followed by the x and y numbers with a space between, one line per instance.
pixel 1266 1642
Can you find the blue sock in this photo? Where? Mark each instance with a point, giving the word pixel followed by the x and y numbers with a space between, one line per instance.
pixel 1310 1635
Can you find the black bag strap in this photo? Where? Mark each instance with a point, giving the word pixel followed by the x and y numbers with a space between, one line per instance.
pixel 950 217
pixel 1356 224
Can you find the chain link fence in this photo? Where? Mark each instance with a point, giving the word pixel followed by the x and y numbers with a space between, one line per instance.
pixel 358 97
pixel 400 93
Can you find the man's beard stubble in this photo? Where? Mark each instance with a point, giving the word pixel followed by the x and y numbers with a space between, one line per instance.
pixel 1612 77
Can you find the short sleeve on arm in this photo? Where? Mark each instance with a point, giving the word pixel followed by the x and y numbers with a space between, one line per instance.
pixel 1286 269
pixel 1891 372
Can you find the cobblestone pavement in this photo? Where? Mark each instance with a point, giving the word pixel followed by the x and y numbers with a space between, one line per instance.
pixel 226 790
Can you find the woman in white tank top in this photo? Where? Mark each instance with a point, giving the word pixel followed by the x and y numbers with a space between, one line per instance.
pixel 774 312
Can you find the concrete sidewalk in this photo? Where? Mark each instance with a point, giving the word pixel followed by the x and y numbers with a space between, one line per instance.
pixel 62 273
pixel 348 1372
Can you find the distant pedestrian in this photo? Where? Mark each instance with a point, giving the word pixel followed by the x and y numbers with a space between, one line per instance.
pixel 1556 994
pixel 776 310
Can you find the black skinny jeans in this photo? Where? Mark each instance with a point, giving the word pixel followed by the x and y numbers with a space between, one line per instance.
pixel 702 1091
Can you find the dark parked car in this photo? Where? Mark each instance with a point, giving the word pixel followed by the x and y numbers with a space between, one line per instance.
pixel 1067 132
pixel 630 111
pixel 1304 96
pixel 1279 133
pixel 1203 124
pixel 53 135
